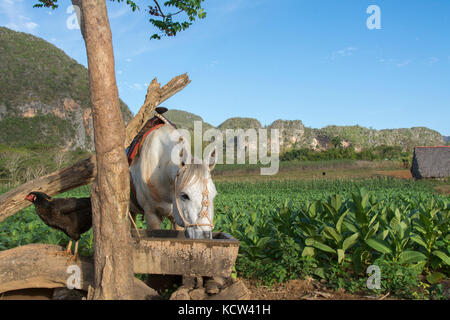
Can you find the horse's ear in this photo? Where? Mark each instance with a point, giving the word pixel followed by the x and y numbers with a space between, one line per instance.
pixel 212 160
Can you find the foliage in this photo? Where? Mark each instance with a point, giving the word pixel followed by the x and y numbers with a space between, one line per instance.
pixel 160 18
pixel 374 153
pixel 27 162
pixel 331 230
pixel 335 230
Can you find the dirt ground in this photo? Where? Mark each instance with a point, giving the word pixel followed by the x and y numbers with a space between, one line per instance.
pixel 302 290
pixel 401 174
pixel 309 174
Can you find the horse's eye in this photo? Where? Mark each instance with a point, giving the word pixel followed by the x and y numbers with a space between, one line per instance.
pixel 184 197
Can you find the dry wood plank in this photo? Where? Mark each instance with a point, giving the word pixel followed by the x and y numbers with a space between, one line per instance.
pixel 39 266
pixel 83 172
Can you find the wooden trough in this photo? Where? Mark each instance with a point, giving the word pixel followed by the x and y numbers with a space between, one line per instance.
pixel 169 252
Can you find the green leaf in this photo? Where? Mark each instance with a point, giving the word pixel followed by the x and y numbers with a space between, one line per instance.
pixel 350 226
pixel 336 202
pixel 356 260
pixel 379 246
pixel 350 241
pixel 417 239
pixel 372 231
pixel 365 198
pixel 320 272
pixel 340 221
pixel 341 255
pixel 435 277
pixel 308 252
pixel 332 234
pixel 411 257
pixel 442 256
pixel 418 267
pixel 319 245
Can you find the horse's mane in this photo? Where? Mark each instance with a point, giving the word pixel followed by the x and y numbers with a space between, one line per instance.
pixel 191 174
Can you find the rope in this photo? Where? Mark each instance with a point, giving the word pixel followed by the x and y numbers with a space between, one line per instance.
pixel 205 204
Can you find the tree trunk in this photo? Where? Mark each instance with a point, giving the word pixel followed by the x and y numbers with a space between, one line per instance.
pixel 83 172
pixel 110 192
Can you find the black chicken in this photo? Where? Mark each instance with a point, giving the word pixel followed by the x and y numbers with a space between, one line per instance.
pixel 73 216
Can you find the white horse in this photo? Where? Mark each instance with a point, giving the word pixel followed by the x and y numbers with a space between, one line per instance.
pixel 168 185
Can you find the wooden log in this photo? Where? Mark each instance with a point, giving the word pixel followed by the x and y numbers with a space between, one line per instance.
pixel 40 266
pixel 154 97
pixel 83 172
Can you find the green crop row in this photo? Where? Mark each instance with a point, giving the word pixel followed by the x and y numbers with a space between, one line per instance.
pixel 298 232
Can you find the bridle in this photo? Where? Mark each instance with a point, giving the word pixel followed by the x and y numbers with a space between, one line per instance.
pixel 204 213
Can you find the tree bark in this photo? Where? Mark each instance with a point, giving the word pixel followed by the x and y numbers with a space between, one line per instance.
pixel 111 188
pixel 83 172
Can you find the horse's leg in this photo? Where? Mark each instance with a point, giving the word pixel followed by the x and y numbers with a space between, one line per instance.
pixel 153 221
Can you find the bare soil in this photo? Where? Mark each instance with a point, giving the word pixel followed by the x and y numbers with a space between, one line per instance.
pixel 401 174
pixel 302 290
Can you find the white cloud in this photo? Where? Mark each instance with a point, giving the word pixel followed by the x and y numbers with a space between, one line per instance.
pixel 119 12
pixel 404 63
pixel 432 60
pixel 128 60
pixel 346 52
pixel 31 25
pixel 12 26
pixel 136 86
pixel 213 63
pixel 14 13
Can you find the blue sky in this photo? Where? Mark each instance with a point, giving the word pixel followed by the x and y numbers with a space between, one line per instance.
pixel 312 60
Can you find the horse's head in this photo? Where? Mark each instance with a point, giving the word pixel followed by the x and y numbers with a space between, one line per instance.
pixel 194 193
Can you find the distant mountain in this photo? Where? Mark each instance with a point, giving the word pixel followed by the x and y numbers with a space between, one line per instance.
pixel 293 134
pixel 44 95
pixel 446 139
pixel 361 137
pixel 240 123
pixel 185 120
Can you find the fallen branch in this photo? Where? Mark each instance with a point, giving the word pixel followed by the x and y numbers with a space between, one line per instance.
pixel 40 266
pixel 83 172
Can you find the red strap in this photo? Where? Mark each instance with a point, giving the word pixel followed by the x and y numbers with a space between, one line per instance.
pixel 137 147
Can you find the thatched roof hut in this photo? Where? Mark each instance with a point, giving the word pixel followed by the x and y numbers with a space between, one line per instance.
pixel 431 162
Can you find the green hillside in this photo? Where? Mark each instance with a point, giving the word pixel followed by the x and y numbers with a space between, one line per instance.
pixel 185 120
pixel 39 83
pixel 240 123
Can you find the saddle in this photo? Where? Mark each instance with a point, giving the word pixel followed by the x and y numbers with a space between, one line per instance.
pixel 157 121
